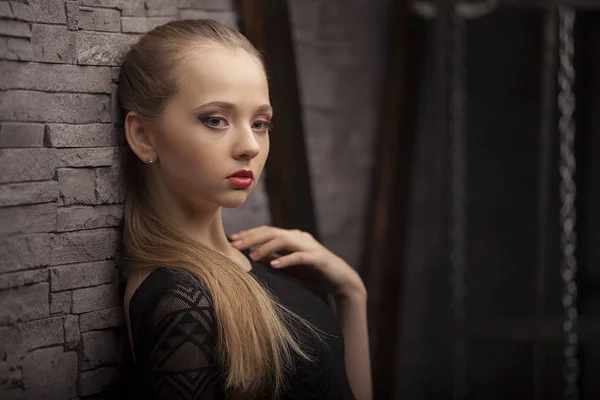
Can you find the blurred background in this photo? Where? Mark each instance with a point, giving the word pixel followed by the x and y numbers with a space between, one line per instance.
pixel 444 149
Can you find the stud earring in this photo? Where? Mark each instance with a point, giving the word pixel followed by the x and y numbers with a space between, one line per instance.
pixel 150 160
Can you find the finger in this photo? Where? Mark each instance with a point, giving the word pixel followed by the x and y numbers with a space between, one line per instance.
pixel 255 236
pixel 281 244
pixel 269 257
pixel 238 235
pixel 295 258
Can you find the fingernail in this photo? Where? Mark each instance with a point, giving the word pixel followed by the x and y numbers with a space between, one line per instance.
pixel 275 263
pixel 235 236
pixel 254 255
pixel 237 242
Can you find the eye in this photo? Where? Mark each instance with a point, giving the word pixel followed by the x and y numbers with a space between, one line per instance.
pixel 261 125
pixel 214 122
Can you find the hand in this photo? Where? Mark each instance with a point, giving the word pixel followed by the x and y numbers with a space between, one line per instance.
pixel 302 250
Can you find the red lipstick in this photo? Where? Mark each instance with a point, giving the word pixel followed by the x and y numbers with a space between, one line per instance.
pixel 242 178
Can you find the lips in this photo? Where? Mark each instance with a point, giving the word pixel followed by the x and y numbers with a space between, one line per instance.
pixel 242 173
pixel 242 178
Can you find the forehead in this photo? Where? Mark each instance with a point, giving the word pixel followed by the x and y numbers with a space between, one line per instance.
pixel 222 74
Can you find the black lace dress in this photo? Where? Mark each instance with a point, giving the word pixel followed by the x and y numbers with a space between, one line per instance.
pixel 174 335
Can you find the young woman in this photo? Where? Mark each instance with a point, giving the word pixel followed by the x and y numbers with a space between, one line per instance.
pixel 206 318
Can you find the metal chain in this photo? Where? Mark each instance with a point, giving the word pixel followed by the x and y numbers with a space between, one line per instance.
pixel 458 206
pixel 568 192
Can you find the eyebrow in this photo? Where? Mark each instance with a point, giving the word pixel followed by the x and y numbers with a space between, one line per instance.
pixel 230 107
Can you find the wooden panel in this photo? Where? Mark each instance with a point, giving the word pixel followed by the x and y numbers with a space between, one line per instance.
pixel 387 210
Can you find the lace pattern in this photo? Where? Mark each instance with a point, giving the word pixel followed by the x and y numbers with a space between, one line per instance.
pixel 182 359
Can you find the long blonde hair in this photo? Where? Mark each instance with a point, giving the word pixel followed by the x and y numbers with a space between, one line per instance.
pixel 254 343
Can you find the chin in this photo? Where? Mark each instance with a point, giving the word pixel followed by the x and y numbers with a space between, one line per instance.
pixel 235 200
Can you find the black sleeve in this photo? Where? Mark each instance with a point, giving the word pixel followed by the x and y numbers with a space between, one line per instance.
pixel 182 357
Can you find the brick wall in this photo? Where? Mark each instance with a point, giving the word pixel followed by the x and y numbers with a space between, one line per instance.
pixel 61 324
pixel 60 198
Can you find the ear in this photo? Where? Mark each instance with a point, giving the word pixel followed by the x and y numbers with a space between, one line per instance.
pixel 138 137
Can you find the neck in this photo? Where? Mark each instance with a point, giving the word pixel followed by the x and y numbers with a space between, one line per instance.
pixel 200 221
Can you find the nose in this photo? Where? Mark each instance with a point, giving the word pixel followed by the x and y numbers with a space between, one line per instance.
pixel 246 145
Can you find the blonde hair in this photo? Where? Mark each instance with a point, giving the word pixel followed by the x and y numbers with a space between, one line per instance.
pixel 254 343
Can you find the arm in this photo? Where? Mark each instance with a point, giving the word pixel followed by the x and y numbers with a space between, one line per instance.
pixel 351 312
pixel 183 346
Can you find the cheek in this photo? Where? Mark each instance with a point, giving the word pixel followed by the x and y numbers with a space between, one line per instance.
pixel 186 158
pixel 261 159
pixel 266 146
pixel 266 152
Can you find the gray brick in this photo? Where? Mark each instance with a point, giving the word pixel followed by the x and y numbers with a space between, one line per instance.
pixel 60 303
pixel 99 349
pixel 304 15
pixel 104 3
pixel 38 250
pixel 22 252
pixel 50 374
pixel 15 29
pixel 48 11
pixel 26 164
pixel 96 381
pixel 96 48
pixel 82 275
pixel 90 135
pixel 16 49
pixel 28 219
pixel 228 18
pixel 109 185
pixel 115 74
pixel 99 19
pixel 5 11
pixel 142 24
pixel 134 8
pixel 16 279
pixel 207 4
pixel 85 157
pixel 16 134
pixel 76 186
pixel 24 303
pixel 322 147
pixel 161 8
pixel 73 108
pixel 95 298
pixel 20 338
pixel 73 247
pixel 53 43
pixel 14 194
pixel 317 76
pixel 72 333
pixel 11 383
pixel 109 318
pixel 88 217
pixel 116 112
pixel 22 11
pixel 55 77
pixel 72 10
pixel 11 388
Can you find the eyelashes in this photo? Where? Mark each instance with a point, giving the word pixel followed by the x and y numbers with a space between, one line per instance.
pixel 214 121
pixel 218 122
pixel 265 125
